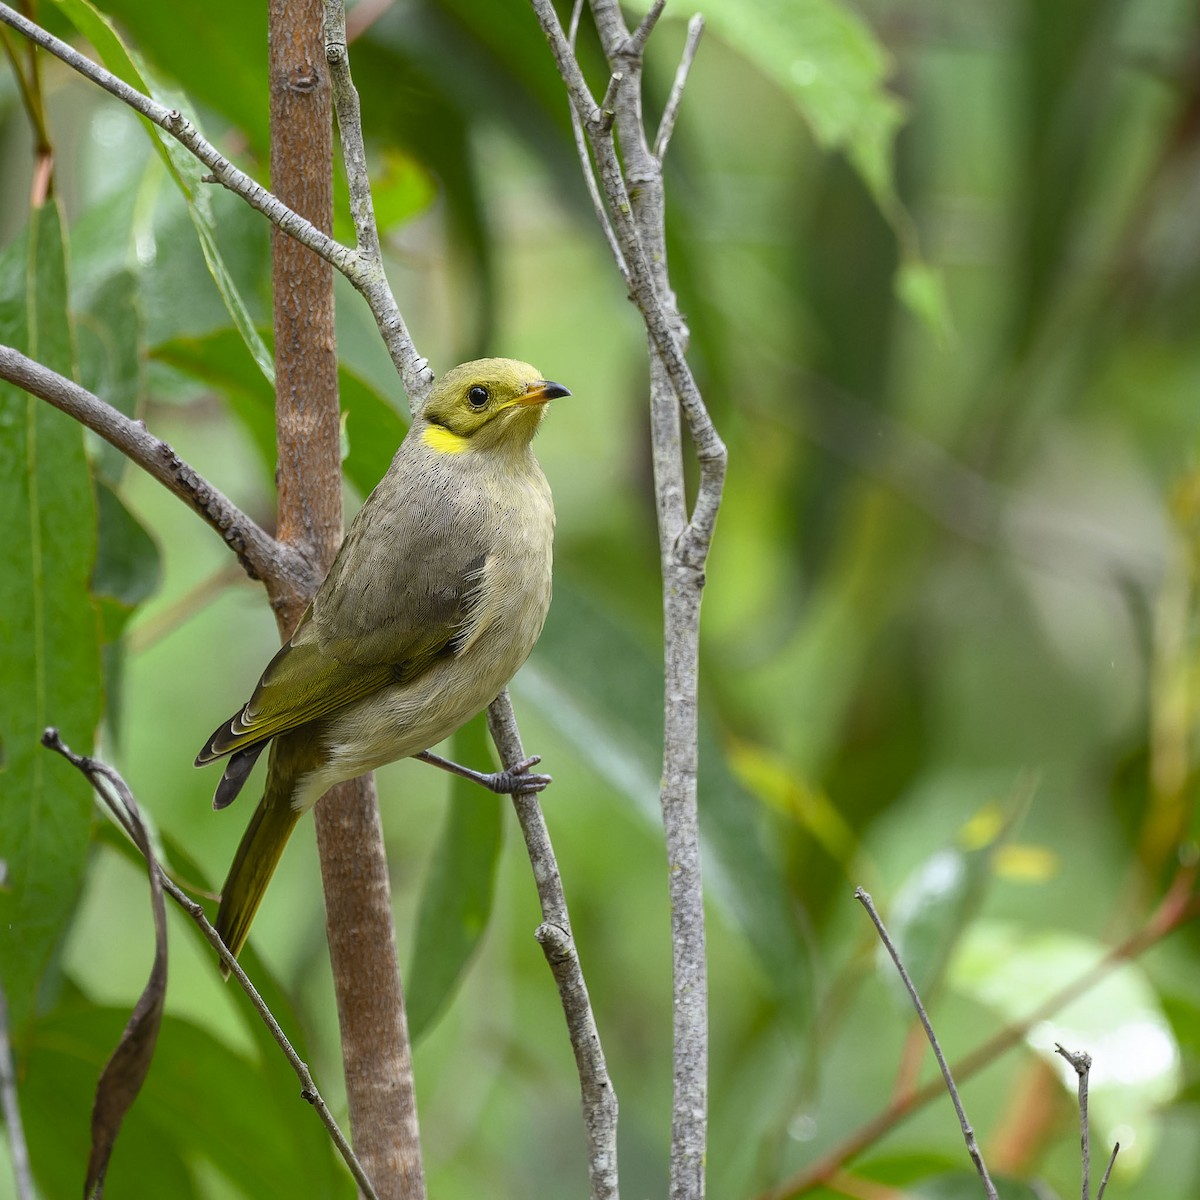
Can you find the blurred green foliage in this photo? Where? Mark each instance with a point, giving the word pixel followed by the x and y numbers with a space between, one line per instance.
pixel 949 642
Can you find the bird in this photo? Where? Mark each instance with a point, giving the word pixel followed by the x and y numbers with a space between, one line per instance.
pixel 436 597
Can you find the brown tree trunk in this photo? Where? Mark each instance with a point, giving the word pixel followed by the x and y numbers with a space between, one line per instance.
pixel 375 1046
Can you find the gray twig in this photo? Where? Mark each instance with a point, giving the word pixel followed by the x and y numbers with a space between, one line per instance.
pixel 414 370
pixel 99 773
pixel 973 1150
pixel 18 1152
pixel 1112 1158
pixel 658 312
pixel 635 47
pixel 632 187
pixel 588 167
pixel 558 945
pixel 666 124
pixel 1082 1063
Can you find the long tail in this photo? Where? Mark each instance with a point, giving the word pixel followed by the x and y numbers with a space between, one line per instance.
pixel 260 848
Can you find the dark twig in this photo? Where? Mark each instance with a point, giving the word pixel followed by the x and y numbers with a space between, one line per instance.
pixel 308 1087
pixel 973 1150
pixel 99 773
pixel 1082 1063
pixel 18 1151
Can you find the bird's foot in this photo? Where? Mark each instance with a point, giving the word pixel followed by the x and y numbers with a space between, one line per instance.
pixel 519 780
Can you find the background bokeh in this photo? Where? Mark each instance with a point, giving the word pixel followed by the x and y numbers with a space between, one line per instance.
pixel 949 631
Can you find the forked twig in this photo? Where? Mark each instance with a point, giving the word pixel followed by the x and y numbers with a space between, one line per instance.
pixel 1082 1064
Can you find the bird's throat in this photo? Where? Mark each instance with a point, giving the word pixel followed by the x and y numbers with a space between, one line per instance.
pixel 444 441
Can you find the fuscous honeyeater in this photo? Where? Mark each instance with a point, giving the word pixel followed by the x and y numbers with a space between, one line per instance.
pixel 435 598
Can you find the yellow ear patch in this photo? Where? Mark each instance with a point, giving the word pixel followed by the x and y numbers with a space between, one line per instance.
pixel 444 441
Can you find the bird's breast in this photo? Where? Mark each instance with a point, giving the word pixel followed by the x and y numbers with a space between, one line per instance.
pixel 509 601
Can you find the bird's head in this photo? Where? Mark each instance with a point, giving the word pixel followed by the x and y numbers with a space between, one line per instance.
pixel 487 404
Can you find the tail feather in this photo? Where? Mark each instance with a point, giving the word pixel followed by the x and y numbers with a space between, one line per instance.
pixel 237 770
pixel 261 846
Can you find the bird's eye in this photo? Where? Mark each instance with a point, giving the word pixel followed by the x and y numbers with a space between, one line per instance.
pixel 477 396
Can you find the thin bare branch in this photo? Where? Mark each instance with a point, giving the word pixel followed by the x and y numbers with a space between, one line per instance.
pixel 568 67
pixel 989 1188
pixel 99 774
pixel 636 46
pixel 558 945
pixel 1112 1158
pixel 413 369
pixel 587 167
pixel 610 25
pixel 666 125
pixel 261 556
pixel 696 536
pixel 1180 906
pixel 1082 1064
pixel 349 114
pixel 632 186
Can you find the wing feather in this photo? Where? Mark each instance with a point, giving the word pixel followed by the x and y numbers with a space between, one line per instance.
pixel 397 597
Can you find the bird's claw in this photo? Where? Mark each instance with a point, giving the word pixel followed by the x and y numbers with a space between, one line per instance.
pixel 518 780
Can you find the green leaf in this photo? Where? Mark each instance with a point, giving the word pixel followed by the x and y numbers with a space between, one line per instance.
pixel 110 330
pixel 220 57
pixel 128 569
pixel 184 169
pixel 201 1102
pixel 374 428
pixel 124 1074
pixel 401 188
pixel 48 626
pixel 825 57
pixel 219 359
pixel 831 64
pixel 922 290
pixel 600 687
pixel 456 902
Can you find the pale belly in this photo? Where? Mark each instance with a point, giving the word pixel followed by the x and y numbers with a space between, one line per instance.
pixel 407 718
